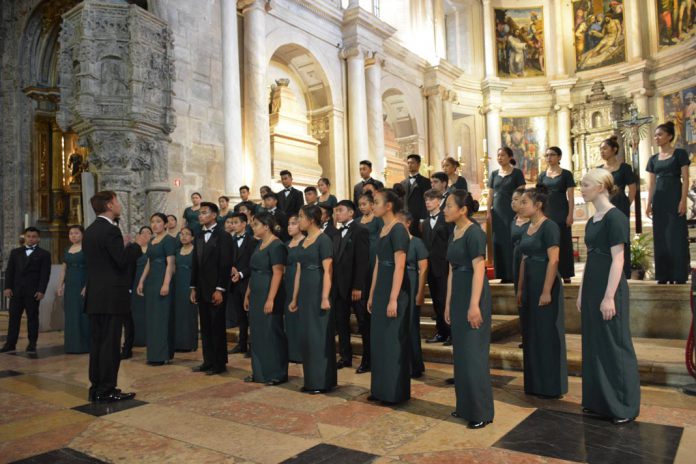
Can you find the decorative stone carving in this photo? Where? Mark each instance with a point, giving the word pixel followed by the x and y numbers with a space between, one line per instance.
pixel 116 70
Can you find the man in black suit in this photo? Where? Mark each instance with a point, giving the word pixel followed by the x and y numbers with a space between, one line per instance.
pixel 439 181
pixel 327 224
pixel 365 176
pixel 26 279
pixel 351 249
pixel 436 235
pixel 290 200
pixel 415 186
pixel 270 203
pixel 245 200
pixel 110 260
pixel 243 246
pixel 210 277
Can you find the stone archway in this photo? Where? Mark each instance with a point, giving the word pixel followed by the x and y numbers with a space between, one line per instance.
pixel 400 133
pixel 301 112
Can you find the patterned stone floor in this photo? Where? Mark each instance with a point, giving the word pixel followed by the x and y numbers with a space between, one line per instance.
pixel 181 416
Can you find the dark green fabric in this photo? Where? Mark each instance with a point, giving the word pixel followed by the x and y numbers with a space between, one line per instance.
pixel 185 313
pixel 470 347
pixel 332 201
pixel 223 217
pixel 374 227
pixel 76 321
pixel 416 252
pixel 610 379
pixel 293 329
pixel 158 309
pixel 515 237
pixel 670 234
pixel 317 343
pixel 557 209
pixel 502 215
pixel 623 177
pixel 192 221
pixel 543 329
pixel 138 304
pixel 269 346
pixel 389 337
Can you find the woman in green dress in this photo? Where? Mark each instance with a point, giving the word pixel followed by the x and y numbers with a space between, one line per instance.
pixel 311 299
pixel 325 196
pixel 623 177
pixel 264 301
pixel 416 269
pixel 518 227
pixel 192 212
pixel 156 285
pixel 668 186
pixel 559 208
pixel 389 307
pixel 293 330
pixel 501 185
pixel 450 166
pixel 468 311
pixel 72 288
pixel 610 379
pixel 138 301
pixel 366 205
pixel 225 211
pixel 540 295
pixel 185 312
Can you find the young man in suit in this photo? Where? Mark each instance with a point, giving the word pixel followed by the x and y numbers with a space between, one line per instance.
pixel 439 181
pixel 26 279
pixel 365 176
pixel 311 195
pixel 244 196
pixel 327 225
pixel 415 186
pixel 111 262
pixel 243 246
pixel 270 203
pixel 351 248
pixel 290 200
pixel 436 235
pixel 210 277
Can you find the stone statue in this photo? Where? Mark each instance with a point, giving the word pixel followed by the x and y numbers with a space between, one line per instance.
pixel 77 167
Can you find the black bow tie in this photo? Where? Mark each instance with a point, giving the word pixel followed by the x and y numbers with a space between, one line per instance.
pixel 411 177
pixel 30 247
pixel 434 217
pixel 240 237
pixel 209 231
pixel 288 189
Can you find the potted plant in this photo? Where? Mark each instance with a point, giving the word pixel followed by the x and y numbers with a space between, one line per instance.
pixel 641 255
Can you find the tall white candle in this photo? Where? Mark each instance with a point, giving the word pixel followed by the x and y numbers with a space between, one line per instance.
pixel 26 220
pixel 459 152
pixel 485 145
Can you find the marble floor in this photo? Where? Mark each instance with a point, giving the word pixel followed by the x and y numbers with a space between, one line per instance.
pixel 181 416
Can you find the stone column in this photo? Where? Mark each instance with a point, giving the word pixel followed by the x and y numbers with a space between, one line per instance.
pixel 258 138
pixel 448 122
pixel 635 48
pixel 375 121
pixel 436 148
pixel 488 42
pixel 558 37
pixel 231 100
pixel 563 130
pixel 645 147
pixel 358 146
pixel 439 26
pixel 493 138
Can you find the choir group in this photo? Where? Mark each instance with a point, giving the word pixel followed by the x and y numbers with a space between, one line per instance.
pixel 290 274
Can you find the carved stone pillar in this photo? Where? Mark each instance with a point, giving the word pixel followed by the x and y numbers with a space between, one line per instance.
pixel 448 97
pixel 116 70
pixel 489 46
pixel 375 121
pixel 635 48
pixel 231 100
pixel 640 99
pixel 358 145
pixel 436 140
pixel 563 129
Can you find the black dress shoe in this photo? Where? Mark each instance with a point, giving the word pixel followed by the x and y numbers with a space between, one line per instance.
pixel 521 345
pixel 447 342
pixel 436 339
pixel 549 397
pixel 622 420
pixel 115 396
pixel 202 368
pixel 31 348
pixel 249 378
pixel 372 398
pixel 126 354
pixel 343 363
pixel 505 281
pixel 247 354
pixel 216 371
pixel 589 411
pixel 362 368
pixel 7 348
pixel 477 425
pixel 450 381
pixel 273 382
pixel 416 375
pixel 155 363
pixel 237 349
pixel 661 282
pixel 312 391
pixel 566 281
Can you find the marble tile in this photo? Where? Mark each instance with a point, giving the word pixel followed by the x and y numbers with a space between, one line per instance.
pixel 61 456
pixel 40 423
pixel 687 447
pixel 289 397
pixel 104 409
pixel 477 456
pixel 325 454
pixel 45 389
pixel 351 414
pixel 16 406
pixel 9 373
pixel 38 443
pixel 167 384
pixel 581 438
pixel 328 431
pixel 41 352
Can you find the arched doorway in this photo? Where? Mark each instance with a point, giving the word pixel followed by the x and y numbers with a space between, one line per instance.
pixel 400 134
pixel 301 115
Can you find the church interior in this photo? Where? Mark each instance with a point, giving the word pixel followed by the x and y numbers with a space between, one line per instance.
pixel 160 99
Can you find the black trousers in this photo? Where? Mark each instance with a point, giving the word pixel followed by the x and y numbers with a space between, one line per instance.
pixel 213 334
pixel 343 309
pixel 438 293
pixel 237 293
pixel 23 300
pixel 104 353
pixel 128 333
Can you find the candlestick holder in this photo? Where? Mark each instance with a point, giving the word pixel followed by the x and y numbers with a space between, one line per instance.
pixel 484 190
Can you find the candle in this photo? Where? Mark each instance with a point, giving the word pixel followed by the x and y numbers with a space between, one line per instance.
pixel 485 145
pixel 459 152
pixel 26 221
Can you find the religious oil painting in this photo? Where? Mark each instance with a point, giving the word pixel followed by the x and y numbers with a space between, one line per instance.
pixel 600 38
pixel 520 42
pixel 527 137
pixel 675 21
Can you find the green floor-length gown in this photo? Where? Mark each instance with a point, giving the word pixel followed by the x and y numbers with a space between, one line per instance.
pixel 293 329
pixel 610 380
pixel 374 227
pixel 515 237
pixel 543 329
pixel 192 219
pixel 623 177
pixel 138 304
pixel 502 215
pixel 269 346
pixel 76 321
pixel 185 312
pixel 389 336
pixel 332 201
pixel 670 234
pixel 470 347
pixel 416 253
pixel 557 209
pixel 317 343
pixel 158 309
